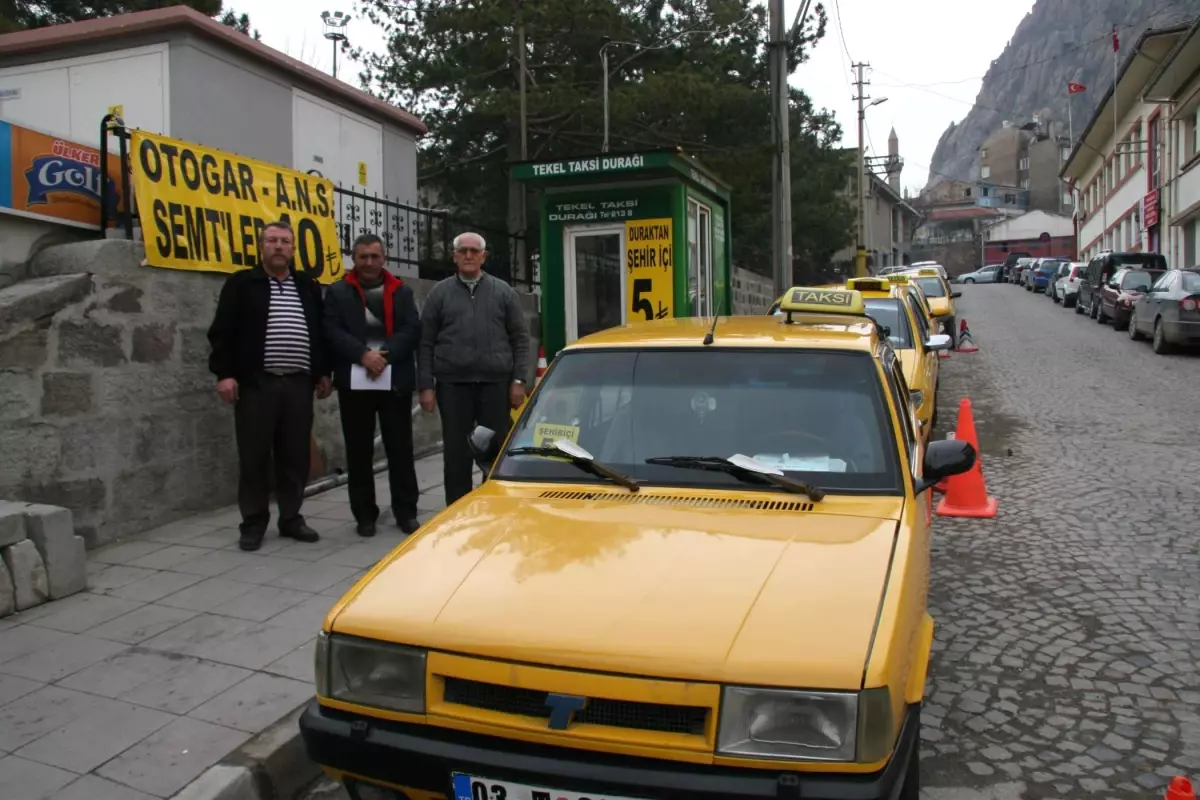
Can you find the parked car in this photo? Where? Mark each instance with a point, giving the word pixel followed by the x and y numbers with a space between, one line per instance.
pixel 1039 276
pixel 1010 261
pixel 1115 298
pixel 1100 271
pixel 1019 269
pixel 1170 312
pixel 989 274
pixel 1066 287
pixel 927 265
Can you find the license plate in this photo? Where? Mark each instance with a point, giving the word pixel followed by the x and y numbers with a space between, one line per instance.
pixel 473 787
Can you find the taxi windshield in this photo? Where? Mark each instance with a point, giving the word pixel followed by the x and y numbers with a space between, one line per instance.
pixel 889 314
pixel 818 416
pixel 932 287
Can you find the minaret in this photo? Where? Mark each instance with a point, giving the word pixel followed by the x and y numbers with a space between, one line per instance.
pixel 894 164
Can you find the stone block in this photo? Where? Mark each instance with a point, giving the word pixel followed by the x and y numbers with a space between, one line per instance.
pixel 148 387
pixel 28 574
pixel 67 394
pixel 28 453
pixel 153 343
pixel 41 298
pixel 64 555
pixel 88 343
pixel 18 394
pixel 126 300
pixel 12 522
pixel 90 445
pixel 194 347
pixel 26 349
pixel 8 601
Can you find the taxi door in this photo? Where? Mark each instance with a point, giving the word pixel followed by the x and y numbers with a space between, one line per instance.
pixel 928 368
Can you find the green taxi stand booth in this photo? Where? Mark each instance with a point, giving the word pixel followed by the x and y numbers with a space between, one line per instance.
pixel 628 237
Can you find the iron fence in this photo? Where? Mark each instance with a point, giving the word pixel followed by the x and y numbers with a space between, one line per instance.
pixel 419 240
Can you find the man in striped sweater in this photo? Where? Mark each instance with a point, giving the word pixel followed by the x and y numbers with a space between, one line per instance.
pixel 269 356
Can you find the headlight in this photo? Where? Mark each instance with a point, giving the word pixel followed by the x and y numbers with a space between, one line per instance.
pixel 805 726
pixel 371 673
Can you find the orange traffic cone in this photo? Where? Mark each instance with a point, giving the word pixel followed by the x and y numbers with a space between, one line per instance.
pixel 541 367
pixel 966 494
pixel 965 343
pixel 1180 788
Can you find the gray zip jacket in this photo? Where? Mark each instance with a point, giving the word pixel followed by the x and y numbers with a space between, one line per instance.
pixel 472 338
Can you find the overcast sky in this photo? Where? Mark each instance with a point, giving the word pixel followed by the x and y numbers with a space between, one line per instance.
pixel 927 57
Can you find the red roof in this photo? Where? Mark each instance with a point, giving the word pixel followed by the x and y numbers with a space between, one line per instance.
pixel 53 38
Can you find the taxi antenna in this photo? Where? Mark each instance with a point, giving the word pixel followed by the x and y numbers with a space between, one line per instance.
pixel 708 337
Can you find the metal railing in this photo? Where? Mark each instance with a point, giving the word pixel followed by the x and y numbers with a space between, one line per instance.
pixel 415 238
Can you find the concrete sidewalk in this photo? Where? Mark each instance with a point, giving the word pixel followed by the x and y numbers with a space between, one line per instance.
pixel 181 650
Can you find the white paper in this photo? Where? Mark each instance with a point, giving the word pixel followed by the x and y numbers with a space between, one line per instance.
pixel 360 379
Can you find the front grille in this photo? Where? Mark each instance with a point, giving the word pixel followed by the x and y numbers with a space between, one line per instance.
pixel 672 500
pixel 599 711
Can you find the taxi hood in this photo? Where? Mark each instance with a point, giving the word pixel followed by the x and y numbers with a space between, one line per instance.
pixel 660 583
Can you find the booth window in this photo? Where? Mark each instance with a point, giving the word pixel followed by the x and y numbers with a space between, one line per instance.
pixel 700 277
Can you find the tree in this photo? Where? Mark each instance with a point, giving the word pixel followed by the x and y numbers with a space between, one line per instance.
pixel 240 23
pixel 23 14
pixel 697 79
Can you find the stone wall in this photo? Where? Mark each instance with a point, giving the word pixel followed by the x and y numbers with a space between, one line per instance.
pixel 107 407
pixel 752 293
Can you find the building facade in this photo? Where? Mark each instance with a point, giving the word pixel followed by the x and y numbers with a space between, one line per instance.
pixel 1171 207
pixel 1038 233
pixel 1115 169
pixel 889 218
pixel 1029 157
pixel 176 72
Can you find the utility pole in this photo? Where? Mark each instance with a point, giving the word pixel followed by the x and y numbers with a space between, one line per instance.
pixel 860 255
pixel 781 205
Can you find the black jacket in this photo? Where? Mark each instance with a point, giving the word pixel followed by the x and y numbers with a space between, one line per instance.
pixel 346 329
pixel 238 333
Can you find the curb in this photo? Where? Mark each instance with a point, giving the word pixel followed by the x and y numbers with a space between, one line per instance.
pixel 274 765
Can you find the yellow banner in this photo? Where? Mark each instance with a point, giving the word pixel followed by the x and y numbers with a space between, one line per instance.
pixel 649 270
pixel 203 209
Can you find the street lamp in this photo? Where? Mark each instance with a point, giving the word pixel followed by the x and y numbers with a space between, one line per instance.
pixel 335 31
pixel 861 259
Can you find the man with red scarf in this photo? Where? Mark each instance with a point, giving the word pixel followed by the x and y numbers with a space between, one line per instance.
pixel 371 324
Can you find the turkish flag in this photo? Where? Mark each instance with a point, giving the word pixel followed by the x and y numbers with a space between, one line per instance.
pixel 1116 41
pixel 1075 88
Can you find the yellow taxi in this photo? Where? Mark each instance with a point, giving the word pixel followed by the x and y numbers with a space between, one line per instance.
pixel 906 326
pixel 698 568
pixel 940 296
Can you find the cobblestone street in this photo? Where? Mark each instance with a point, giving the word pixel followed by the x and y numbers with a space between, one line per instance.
pixel 1068 628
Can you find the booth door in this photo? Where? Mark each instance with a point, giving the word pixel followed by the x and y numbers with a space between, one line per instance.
pixel 594 281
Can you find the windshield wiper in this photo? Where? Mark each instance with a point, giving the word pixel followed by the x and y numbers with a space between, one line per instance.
pixel 742 467
pixel 579 457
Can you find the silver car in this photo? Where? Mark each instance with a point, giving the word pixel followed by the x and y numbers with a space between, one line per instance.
pixel 1169 313
pixel 989 274
pixel 1066 282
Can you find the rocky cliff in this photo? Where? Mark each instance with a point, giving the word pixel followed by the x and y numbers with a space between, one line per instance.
pixel 1058 41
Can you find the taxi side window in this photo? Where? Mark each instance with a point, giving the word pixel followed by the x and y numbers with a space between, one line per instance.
pixel 899 391
pixel 922 325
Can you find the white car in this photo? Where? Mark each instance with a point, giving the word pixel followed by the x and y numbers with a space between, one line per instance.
pixel 1066 282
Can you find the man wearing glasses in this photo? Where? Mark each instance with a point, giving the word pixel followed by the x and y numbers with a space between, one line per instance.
pixel 473 357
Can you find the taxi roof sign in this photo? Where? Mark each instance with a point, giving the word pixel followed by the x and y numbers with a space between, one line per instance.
pixel 801 299
pixel 898 277
pixel 927 272
pixel 869 285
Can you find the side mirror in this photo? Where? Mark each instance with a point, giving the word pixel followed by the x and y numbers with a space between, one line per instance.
pixel 484 445
pixel 939 341
pixel 917 397
pixel 943 458
pixel 955 294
